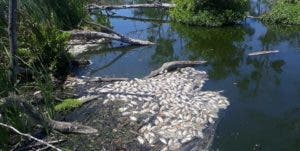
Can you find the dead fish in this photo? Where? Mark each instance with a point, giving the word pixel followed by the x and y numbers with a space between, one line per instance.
pixel 141 140
pixel 132 118
pixel 163 140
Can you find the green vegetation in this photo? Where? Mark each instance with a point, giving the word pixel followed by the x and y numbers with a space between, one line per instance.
pixel 209 12
pixel 284 12
pixel 42 51
pixel 67 105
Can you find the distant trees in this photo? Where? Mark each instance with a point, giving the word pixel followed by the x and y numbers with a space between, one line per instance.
pixel 284 12
pixel 209 12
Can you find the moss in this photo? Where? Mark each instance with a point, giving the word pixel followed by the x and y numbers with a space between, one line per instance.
pixel 284 12
pixel 209 12
pixel 67 105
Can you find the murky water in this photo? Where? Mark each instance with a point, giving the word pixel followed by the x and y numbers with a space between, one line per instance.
pixel 264 91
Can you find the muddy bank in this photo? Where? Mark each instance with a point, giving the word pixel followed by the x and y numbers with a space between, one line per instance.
pixel 166 112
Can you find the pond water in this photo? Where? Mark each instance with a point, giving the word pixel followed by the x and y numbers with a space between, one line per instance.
pixel 264 91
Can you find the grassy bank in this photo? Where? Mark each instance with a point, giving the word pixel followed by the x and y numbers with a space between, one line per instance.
pixel 42 52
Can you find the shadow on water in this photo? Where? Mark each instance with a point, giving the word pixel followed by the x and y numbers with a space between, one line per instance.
pixel 264 91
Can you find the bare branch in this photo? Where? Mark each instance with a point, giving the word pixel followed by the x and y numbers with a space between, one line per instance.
pixel 29 136
pixel 96 35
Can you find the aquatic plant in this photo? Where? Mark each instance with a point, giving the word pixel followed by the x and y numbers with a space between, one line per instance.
pixel 67 105
pixel 209 12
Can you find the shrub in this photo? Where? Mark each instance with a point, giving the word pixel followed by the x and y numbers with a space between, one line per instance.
pixel 284 12
pixel 209 12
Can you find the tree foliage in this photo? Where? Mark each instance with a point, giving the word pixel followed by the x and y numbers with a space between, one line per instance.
pixel 284 12
pixel 209 12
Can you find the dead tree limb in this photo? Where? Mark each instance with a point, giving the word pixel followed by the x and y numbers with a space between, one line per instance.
pixel 64 127
pixel 110 7
pixel 29 136
pixel 262 53
pixel 141 19
pixel 96 35
pixel 67 127
pixel 170 66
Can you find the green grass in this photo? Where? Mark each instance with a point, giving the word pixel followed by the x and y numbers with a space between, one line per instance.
pixel 284 12
pixel 67 105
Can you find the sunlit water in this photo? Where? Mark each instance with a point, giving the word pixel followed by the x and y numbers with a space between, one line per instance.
pixel 264 91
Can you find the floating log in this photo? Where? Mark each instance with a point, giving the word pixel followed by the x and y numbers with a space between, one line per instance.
pixel 110 7
pixel 170 66
pixel 96 35
pixel 262 53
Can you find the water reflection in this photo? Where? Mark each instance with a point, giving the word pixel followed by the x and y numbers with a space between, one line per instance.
pixel 263 90
pixel 221 47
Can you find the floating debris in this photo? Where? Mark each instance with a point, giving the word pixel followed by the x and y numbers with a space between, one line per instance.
pixel 172 107
pixel 262 53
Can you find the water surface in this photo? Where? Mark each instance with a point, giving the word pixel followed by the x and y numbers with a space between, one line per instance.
pixel 264 91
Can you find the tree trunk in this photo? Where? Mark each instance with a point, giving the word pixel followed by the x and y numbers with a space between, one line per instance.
pixel 12 27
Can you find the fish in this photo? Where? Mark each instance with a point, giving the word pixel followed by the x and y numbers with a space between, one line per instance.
pixel 141 140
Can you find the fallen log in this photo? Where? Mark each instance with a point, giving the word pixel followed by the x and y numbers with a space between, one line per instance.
pixel 170 66
pixel 110 7
pixel 262 53
pixel 67 127
pixel 141 19
pixel 64 127
pixel 96 35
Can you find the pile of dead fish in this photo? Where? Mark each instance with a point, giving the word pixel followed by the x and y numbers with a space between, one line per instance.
pixel 172 106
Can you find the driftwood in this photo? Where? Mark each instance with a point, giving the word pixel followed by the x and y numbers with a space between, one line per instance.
pixel 96 35
pixel 29 136
pixel 262 53
pixel 170 66
pixel 110 7
pixel 64 127
pixel 67 127
pixel 141 19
